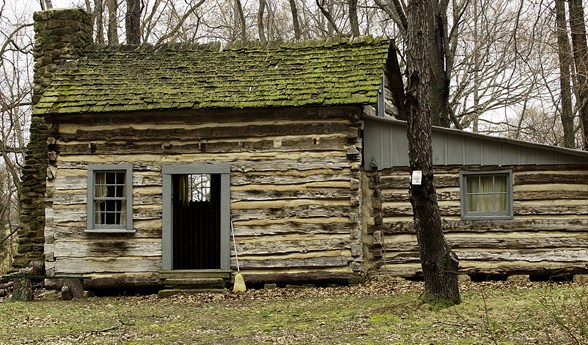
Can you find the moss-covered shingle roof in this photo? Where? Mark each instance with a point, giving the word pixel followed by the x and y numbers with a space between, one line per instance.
pixel 106 79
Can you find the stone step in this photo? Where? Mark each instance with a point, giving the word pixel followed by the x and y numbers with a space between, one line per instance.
pixel 196 283
pixel 177 274
pixel 171 292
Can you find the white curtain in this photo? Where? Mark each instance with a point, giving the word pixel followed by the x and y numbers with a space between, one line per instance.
pixel 486 193
pixel 100 191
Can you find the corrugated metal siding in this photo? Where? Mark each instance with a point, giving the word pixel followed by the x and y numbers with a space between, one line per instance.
pixel 386 144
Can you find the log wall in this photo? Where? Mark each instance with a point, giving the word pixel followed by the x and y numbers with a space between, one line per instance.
pixel 295 188
pixel 548 234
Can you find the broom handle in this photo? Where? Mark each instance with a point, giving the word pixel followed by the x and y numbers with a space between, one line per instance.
pixel 235 246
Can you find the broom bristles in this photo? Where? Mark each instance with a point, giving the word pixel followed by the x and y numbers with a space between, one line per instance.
pixel 239 285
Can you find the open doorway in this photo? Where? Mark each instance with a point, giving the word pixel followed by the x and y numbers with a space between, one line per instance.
pixel 196 221
pixel 196 217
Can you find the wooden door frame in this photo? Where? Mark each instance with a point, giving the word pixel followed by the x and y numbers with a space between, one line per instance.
pixel 224 170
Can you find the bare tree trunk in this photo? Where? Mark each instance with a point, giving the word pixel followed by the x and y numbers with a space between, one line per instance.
pixel 328 16
pixel 295 22
pixel 99 21
pixel 477 81
pixel 438 262
pixel 439 76
pixel 260 24
pixel 580 51
pixel 353 21
pixel 133 22
pixel 112 6
pixel 241 20
pixel 564 52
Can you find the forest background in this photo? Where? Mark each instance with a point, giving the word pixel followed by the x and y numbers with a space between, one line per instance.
pixel 513 68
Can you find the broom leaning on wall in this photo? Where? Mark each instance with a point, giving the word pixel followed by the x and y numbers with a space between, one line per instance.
pixel 239 283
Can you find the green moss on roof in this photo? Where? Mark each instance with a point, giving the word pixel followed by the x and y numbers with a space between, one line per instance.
pixel 118 79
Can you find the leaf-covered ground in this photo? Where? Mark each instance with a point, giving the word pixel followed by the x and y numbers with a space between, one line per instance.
pixel 377 312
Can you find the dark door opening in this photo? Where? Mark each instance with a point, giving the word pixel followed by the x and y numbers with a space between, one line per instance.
pixel 196 221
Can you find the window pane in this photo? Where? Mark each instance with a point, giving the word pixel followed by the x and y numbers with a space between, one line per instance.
pixel 486 184
pixel 473 184
pixel 487 195
pixel 471 203
pixel 109 198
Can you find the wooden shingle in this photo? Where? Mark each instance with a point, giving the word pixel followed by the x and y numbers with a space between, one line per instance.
pixel 173 77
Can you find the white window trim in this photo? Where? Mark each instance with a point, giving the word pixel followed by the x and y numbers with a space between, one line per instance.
pixel 488 215
pixel 91 227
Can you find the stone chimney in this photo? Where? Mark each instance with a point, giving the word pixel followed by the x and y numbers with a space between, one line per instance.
pixel 59 35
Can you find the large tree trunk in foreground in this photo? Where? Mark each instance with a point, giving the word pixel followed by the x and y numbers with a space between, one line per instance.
pixel 564 52
pixel 438 262
pixel 580 51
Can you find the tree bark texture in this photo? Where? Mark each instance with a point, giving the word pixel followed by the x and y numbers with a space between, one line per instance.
pixel 437 33
pixel 580 51
pixel 112 6
pixel 260 24
pixel 99 21
pixel 295 21
pixel 133 22
pixel 241 22
pixel 353 20
pixel 565 54
pixel 439 263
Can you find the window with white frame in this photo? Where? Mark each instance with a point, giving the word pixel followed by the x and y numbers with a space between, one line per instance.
pixel 486 195
pixel 109 206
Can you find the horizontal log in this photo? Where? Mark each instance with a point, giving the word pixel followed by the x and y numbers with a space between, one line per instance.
pixel 528 255
pixel 298 192
pixel 551 240
pixel 492 268
pixel 291 227
pixel 240 162
pixel 122 281
pixel 316 143
pixel 255 129
pixel 69 198
pixel 76 230
pixel 572 176
pixel 402 181
pixel 178 118
pixel 554 195
pixel 325 261
pixel 70 183
pixel 289 177
pixel 405 209
pixel 532 224
pixel 147 180
pixel 90 265
pixel 314 277
pixel 396 195
pixel 272 247
pixel 299 212
pixel 569 207
pixel 107 247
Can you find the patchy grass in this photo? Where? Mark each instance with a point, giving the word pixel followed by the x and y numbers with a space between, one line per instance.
pixel 378 312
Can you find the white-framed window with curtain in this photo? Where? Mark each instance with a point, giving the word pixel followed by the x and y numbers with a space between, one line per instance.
pixel 109 204
pixel 486 195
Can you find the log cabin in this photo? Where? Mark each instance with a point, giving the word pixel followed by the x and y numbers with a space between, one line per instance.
pixel 287 162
